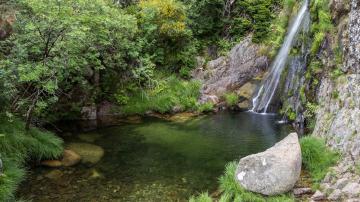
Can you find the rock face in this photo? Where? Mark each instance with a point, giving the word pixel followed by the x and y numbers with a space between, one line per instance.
pixel 274 171
pixel 229 73
pixel 353 60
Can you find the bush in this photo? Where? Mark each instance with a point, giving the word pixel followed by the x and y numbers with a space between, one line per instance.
pixel 231 99
pixel 316 157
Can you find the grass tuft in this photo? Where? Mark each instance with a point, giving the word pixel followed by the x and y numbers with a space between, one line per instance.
pixel 316 157
pixel 167 94
pixel 231 99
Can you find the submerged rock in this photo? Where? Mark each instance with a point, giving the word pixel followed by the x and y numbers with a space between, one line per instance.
pixel 70 158
pixel 89 153
pixel 54 174
pixel 274 171
pixel 51 163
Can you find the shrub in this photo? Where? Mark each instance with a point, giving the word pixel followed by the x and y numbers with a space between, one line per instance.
pixel 166 94
pixel 231 99
pixel 316 157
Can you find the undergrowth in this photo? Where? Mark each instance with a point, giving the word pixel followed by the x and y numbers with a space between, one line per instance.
pixel 164 96
pixel 18 146
pixel 317 158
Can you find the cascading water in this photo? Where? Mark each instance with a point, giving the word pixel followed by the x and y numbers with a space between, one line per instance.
pixel 270 84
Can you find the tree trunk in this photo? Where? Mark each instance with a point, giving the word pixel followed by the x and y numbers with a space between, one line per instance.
pixel 31 110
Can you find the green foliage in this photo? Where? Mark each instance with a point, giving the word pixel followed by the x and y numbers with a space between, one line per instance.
pixel 204 197
pixel 56 42
pixel 17 146
pixel 278 27
pixel 231 99
pixel 205 107
pixel 214 19
pixel 165 35
pixel 316 157
pixel 166 94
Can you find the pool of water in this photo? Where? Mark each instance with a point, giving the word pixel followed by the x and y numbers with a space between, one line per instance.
pixel 158 160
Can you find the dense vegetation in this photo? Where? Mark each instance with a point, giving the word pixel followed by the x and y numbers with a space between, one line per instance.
pixel 58 56
pixel 65 55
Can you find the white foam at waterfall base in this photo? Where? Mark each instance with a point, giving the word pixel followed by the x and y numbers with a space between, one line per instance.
pixel 270 84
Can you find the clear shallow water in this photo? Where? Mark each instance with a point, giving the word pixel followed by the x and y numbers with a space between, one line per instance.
pixel 158 160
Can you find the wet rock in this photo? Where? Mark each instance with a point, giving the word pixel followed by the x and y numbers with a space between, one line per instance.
pixel 230 73
pixel 318 196
pixel 89 153
pixel 70 158
pixel 335 195
pixel 51 163
pixel 302 191
pixel 54 174
pixel 247 91
pixel 245 104
pixel 274 171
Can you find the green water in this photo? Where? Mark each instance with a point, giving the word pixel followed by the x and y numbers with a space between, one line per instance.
pixel 158 160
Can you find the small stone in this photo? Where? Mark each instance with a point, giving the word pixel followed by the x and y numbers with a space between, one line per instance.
pixel 352 190
pixel 54 175
pixel 302 191
pixel 70 158
pixel 335 195
pixel 318 196
pixel 52 163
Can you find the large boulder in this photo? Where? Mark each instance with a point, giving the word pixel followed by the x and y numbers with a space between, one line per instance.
pixel 229 73
pixel 274 171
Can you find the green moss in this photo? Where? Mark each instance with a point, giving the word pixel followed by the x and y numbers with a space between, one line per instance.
pixel 316 157
pixel 16 146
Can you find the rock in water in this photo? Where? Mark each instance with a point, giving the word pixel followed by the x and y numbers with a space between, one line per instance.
pixel 89 153
pixel 274 171
pixel 70 158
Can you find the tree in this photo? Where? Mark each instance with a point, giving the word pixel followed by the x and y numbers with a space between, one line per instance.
pixel 56 42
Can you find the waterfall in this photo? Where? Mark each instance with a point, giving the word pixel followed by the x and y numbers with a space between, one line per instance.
pixel 270 84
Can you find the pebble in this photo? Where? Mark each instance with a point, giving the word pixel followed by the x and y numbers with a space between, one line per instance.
pixel 318 196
